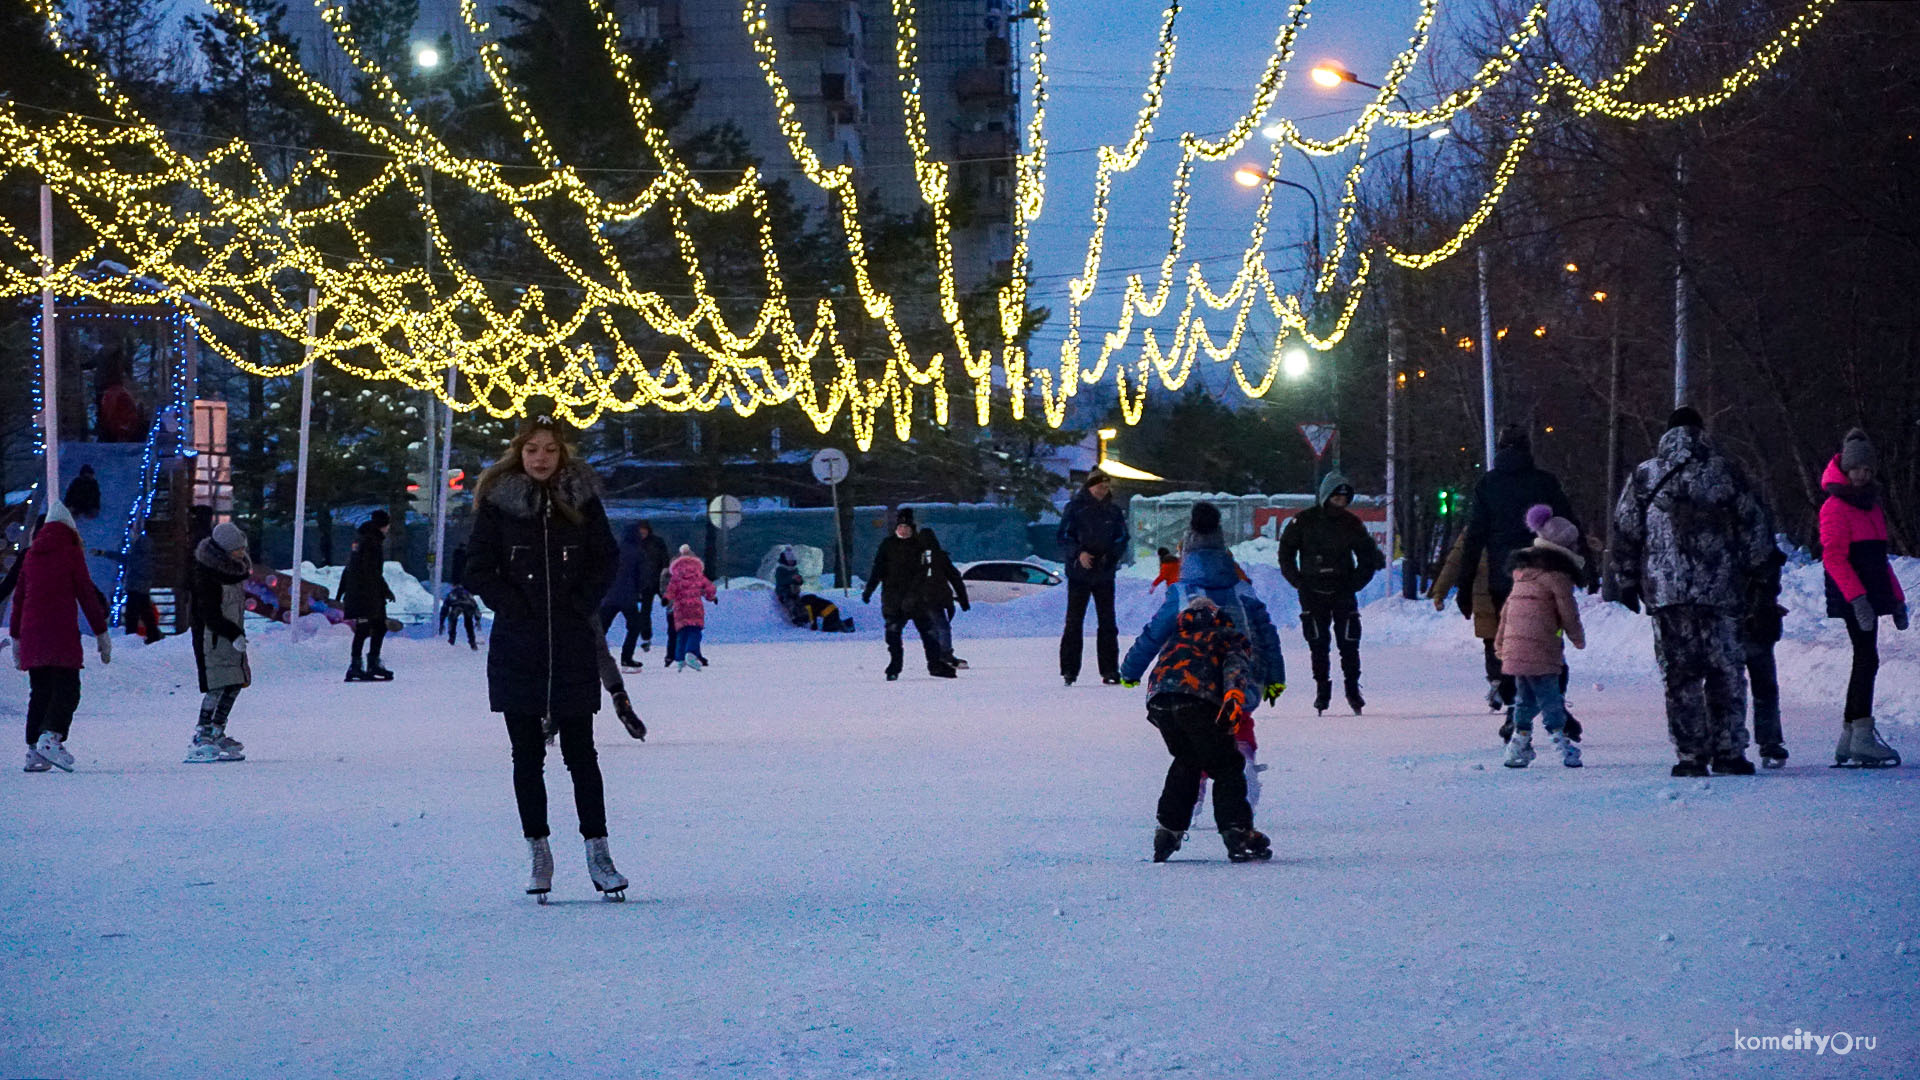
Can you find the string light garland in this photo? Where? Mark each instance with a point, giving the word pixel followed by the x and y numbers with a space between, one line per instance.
pixel 233 225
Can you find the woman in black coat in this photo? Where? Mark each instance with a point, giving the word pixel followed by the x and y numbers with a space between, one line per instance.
pixel 363 598
pixel 541 555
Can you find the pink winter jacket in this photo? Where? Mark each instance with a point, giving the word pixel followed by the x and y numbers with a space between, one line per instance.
pixel 1853 538
pixel 687 585
pixel 1540 606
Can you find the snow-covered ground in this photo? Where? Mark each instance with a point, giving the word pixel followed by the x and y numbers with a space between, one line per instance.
pixel 837 876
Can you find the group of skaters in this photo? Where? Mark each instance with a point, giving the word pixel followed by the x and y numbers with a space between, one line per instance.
pixel 1693 547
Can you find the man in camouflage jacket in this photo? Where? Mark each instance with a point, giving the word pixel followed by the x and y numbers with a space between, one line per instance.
pixel 1688 534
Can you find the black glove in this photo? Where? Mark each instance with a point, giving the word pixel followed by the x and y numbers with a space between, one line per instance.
pixel 1863 615
pixel 867 597
pixel 1900 617
pixel 1630 598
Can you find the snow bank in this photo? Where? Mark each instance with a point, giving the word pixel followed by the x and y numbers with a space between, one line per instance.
pixel 411 601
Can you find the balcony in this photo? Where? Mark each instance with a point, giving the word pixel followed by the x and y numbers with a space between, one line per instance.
pixel 989 86
pixel 831 20
pixel 974 145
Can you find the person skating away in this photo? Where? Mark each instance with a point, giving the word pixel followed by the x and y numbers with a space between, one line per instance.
pixel 1326 554
pixel 673 634
pixel 1761 623
pixel 652 578
pixel 1486 620
pixel 623 596
pixel 217 613
pixel 1204 684
pixel 1208 570
pixel 1861 588
pixel 1169 572
pixel 139 615
pixel 902 571
pixel 945 588
pixel 364 594
pixel 541 555
pixel 1093 540
pixel 1688 534
pixel 458 607
pixel 1539 610
pixel 50 594
pixel 1496 528
pixel 688 592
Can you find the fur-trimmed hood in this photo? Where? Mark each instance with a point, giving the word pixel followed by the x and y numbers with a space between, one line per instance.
pixel 519 495
pixel 214 557
pixel 1545 556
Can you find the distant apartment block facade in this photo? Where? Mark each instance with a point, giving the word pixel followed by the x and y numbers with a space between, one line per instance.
pixel 838 60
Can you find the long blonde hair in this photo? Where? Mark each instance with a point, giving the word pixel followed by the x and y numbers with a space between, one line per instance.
pixel 510 464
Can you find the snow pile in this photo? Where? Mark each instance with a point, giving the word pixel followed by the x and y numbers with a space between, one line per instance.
pixel 411 601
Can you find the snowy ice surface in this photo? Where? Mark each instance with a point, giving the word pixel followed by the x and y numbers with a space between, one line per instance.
pixel 838 876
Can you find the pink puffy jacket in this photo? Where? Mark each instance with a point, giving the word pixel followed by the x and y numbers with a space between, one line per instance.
pixel 687 585
pixel 1539 607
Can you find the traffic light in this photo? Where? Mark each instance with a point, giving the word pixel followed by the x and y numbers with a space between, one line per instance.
pixel 419 493
pixel 1449 502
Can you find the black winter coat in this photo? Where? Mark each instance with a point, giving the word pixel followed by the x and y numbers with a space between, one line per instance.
pixel 1328 553
pixel 544 577
pixel 363 585
pixel 1498 525
pixel 654 558
pixel 944 585
pixel 1097 527
pixel 902 571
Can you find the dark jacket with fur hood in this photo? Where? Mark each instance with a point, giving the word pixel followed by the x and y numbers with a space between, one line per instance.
pixel 543 575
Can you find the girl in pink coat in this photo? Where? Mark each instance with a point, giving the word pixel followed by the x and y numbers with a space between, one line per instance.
pixel 687 587
pixel 1528 643
pixel 54 590
pixel 1861 588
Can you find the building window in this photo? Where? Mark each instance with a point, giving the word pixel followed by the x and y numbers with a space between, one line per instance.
pixel 833 87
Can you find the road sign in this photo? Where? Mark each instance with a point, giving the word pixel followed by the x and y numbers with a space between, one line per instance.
pixel 724 512
pixel 1319 437
pixel 830 466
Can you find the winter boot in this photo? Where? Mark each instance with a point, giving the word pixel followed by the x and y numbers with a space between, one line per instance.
pixel 549 729
pixel 1572 726
pixel 1246 844
pixel 1494 703
pixel 959 664
pixel 1842 751
pixel 376 671
pixel 1867 749
pixel 541 883
pixel 36 763
pixel 623 708
pixel 1354 700
pixel 1519 750
pixel 1687 766
pixel 1772 756
pixel 1068 678
pixel 1165 842
pixel 600 869
pixel 1569 753
pixel 53 750
pixel 942 671
pixel 356 673
pixel 1732 765
pixel 1506 727
pixel 693 663
pixel 210 745
pixel 1322 695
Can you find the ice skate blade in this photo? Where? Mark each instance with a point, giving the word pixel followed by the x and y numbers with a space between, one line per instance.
pixel 613 896
pixel 539 896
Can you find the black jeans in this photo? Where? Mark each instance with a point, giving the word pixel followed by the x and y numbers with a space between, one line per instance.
pixel 1325 621
pixel 529 772
pixel 53 693
pixel 1866 665
pixel 929 640
pixel 369 633
pixel 1190 726
pixel 1763 686
pixel 631 613
pixel 1508 689
pixel 1073 637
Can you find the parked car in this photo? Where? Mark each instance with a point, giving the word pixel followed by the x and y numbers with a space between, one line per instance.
pixel 992 581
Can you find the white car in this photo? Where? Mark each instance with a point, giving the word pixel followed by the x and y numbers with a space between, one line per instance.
pixel 992 581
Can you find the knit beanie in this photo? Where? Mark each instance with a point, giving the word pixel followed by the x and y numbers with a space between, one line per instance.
pixel 1205 518
pixel 228 537
pixel 1557 531
pixel 904 517
pixel 1514 438
pixel 1097 477
pixel 1685 416
pixel 1857 451
pixel 379 519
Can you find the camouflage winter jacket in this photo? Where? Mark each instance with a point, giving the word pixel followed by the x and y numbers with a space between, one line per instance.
pixel 1689 528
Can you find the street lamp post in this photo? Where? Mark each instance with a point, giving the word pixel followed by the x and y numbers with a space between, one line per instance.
pixel 439 457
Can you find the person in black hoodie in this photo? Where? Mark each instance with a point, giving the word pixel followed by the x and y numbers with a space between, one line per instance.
pixel 945 588
pixel 1326 554
pixel 623 596
pixel 902 571
pixel 1496 528
pixel 542 555
pixel 364 595
pixel 1093 540
pixel 654 558
pixel 1760 631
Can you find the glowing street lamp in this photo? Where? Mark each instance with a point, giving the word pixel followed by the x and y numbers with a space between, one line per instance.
pixel 1329 74
pixel 426 57
pixel 1119 470
pixel 1253 176
pixel 1295 364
